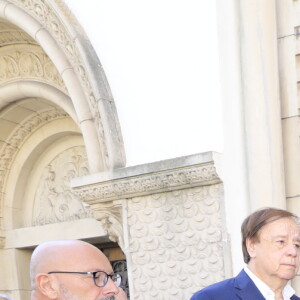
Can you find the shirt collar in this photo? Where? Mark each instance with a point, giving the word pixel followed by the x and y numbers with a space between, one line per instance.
pixel 266 291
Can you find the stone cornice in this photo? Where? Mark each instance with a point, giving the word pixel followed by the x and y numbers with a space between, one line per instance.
pixel 149 183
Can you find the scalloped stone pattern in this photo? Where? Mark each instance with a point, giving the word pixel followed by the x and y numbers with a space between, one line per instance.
pixel 176 242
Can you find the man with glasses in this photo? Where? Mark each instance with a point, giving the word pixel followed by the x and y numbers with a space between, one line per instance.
pixel 73 270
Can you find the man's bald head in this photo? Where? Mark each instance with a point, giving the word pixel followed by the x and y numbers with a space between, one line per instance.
pixel 67 256
pixel 59 255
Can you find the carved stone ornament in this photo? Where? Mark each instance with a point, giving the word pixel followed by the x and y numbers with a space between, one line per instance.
pixel 15 140
pixel 54 200
pixel 110 215
pixel 28 63
pixel 148 183
pixel 25 129
pixel 49 14
pixel 12 35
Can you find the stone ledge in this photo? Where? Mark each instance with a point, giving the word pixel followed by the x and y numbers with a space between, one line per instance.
pixel 28 237
pixel 157 177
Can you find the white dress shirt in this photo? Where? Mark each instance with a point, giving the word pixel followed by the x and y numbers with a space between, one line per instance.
pixel 287 292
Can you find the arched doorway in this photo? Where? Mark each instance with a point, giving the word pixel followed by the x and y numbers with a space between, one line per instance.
pixel 57 121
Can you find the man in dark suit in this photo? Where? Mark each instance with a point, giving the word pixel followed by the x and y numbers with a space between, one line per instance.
pixel 271 250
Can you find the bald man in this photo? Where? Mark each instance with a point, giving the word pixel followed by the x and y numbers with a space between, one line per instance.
pixel 4 297
pixel 72 270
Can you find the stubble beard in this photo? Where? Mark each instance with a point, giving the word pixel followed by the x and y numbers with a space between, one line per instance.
pixel 65 295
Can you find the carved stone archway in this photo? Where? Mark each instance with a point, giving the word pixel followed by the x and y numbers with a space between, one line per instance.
pixel 58 121
pixel 51 26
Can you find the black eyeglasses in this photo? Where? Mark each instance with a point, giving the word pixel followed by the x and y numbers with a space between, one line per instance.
pixel 100 277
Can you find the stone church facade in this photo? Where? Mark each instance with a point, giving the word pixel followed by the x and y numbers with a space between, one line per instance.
pixel 169 226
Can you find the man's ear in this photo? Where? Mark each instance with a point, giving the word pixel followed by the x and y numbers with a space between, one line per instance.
pixel 251 247
pixel 47 285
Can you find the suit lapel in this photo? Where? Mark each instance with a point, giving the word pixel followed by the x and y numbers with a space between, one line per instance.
pixel 250 293
pixel 245 288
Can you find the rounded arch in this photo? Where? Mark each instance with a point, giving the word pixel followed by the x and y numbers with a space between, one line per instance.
pixel 27 168
pixel 52 26
pixel 17 91
pixel 32 126
pixel 58 121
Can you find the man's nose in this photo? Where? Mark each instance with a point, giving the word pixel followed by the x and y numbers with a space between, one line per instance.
pixel 293 249
pixel 110 288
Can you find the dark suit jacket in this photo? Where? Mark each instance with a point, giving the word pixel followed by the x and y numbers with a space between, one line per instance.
pixel 236 288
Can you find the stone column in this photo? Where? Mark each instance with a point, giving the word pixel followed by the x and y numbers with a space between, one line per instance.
pixel 14 273
pixel 234 172
pixel 289 102
pixel 289 105
pixel 259 60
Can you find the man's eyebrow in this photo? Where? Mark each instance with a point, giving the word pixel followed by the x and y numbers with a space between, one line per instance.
pixel 284 236
pixel 101 270
pixel 280 236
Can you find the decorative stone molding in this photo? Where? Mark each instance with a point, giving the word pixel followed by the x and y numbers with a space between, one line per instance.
pixel 148 184
pixel 173 227
pixel 12 35
pixel 25 129
pixel 28 63
pixel 54 200
pixel 68 15
pixel 15 140
pixel 110 215
pixel 48 16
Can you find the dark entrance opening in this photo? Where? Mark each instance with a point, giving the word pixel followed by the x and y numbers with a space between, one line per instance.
pixel 118 261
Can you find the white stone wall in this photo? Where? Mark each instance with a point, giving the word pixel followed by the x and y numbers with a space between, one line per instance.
pixel 176 242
